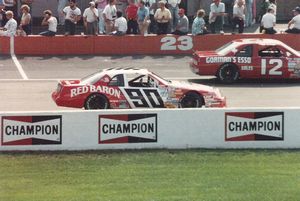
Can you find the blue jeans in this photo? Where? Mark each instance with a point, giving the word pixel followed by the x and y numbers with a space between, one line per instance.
pixel 249 16
pixel 175 17
pixel 101 21
pixel 61 16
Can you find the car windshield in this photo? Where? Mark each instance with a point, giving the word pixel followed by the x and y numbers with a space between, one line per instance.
pixel 160 78
pixel 91 79
pixel 225 49
pixel 291 50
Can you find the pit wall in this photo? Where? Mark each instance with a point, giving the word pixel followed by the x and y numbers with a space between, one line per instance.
pixel 151 129
pixel 128 45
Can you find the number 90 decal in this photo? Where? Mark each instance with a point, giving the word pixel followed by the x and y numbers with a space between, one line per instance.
pixel 183 43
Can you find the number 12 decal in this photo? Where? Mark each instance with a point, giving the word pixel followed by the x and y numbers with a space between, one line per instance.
pixel 273 70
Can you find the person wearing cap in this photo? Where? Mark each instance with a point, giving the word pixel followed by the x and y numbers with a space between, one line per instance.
pixel 182 27
pixel 51 22
pixel 268 22
pixel 72 16
pixel 10 27
pixel 162 17
pixel 90 19
pixel 216 16
pixel 295 21
pixel 173 6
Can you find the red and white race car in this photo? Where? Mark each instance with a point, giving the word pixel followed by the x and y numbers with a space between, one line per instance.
pixel 133 88
pixel 248 58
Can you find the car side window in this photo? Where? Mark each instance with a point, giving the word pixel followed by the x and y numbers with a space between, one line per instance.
pixel 270 52
pixel 139 81
pixel 245 52
pixel 117 80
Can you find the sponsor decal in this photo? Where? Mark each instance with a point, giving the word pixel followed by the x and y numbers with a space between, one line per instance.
pixel 241 60
pixel 247 68
pixel 127 128
pixel 31 130
pixel 254 126
pixel 91 89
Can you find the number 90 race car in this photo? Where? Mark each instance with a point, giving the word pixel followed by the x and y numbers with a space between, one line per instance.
pixel 248 58
pixel 118 88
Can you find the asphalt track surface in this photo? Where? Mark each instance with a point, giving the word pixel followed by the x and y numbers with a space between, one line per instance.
pixel 34 93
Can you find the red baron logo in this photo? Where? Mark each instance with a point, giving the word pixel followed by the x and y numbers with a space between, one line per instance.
pixel 254 126
pixel 31 130
pixel 127 128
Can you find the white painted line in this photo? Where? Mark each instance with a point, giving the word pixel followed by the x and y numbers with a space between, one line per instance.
pixel 15 60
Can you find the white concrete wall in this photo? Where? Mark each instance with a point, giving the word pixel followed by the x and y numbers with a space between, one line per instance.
pixel 173 129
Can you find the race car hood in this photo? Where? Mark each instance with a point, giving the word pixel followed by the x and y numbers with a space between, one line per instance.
pixel 191 86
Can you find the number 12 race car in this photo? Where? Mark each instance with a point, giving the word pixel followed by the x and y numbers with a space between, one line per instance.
pixel 133 88
pixel 248 58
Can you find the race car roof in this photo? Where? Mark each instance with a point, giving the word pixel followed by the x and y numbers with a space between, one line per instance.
pixel 260 41
pixel 128 70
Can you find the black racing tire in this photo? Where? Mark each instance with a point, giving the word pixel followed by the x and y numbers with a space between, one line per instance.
pixel 191 100
pixel 96 102
pixel 228 73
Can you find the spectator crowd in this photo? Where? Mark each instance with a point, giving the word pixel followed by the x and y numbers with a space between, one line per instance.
pixel 142 17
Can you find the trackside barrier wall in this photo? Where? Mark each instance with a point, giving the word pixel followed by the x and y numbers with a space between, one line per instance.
pixel 151 129
pixel 129 44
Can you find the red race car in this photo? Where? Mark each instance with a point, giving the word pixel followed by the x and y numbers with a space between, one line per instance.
pixel 248 58
pixel 133 88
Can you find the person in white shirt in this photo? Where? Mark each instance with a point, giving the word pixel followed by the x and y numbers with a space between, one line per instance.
pixel 51 22
pixel 109 15
pixel 173 6
pixel 295 21
pixel 72 16
pixel 216 16
pixel 268 22
pixel 90 19
pixel 239 15
pixel 120 25
pixel 10 27
pixel 162 17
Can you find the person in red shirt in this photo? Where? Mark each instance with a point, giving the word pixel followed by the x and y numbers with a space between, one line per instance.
pixel 131 13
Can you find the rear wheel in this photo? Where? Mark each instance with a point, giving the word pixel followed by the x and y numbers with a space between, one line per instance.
pixel 191 100
pixel 96 101
pixel 228 73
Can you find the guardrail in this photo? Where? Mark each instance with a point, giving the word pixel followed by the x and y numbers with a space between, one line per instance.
pixel 151 129
pixel 129 44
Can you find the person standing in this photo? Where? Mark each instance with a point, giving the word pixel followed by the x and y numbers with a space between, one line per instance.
pixel 10 27
pixel 198 27
pixel 109 16
pixel 131 13
pixel 173 6
pixel 216 16
pixel 25 19
pixel 72 16
pixel 162 17
pixel 143 18
pixel 152 6
pixel 239 15
pixel 90 19
pixel 100 6
pixel 295 21
pixel 61 4
pixel 268 22
pixel 51 22
pixel 182 27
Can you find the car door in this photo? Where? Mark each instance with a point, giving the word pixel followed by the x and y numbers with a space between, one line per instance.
pixel 141 92
pixel 273 63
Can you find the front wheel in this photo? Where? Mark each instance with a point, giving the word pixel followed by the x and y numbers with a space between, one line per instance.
pixel 95 102
pixel 228 73
pixel 191 100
